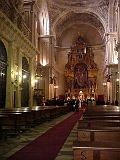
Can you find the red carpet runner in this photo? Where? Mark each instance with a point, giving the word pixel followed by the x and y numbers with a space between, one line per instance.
pixel 48 145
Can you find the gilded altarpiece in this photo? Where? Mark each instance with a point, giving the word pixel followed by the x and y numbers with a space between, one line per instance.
pixel 81 71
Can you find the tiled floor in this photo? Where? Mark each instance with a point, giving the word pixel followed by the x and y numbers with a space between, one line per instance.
pixel 14 144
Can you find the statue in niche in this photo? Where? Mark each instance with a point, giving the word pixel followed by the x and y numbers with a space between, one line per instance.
pixel 69 85
pixel 80 41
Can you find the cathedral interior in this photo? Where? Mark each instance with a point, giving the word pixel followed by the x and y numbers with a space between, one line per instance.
pixel 55 49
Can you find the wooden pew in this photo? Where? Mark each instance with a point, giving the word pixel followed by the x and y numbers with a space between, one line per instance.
pixel 106 113
pixel 12 119
pixel 102 117
pixel 92 123
pixel 21 119
pixel 96 126
pixel 17 117
pixel 2 118
pixel 109 134
pixel 96 141
pixel 100 107
pixel 96 150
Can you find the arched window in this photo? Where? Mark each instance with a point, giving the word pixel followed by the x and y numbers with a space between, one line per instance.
pixel 3 72
pixel 25 83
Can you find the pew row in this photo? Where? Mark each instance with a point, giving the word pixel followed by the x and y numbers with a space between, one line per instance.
pixel 92 123
pixel 101 117
pixel 98 134
pixel 103 107
pixel 84 150
pixel 108 134
pixel 16 120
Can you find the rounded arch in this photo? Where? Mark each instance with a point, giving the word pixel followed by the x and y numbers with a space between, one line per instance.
pixel 70 35
pixel 87 23
pixel 72 18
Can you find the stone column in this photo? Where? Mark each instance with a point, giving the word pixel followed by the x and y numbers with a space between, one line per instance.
pixel 118 23
pixel 51 65
pixel 113 89
pixel 108 91
pixel 9 86
pixel 119 76
pixel 118 38
pixel 33 23
pixel 112 57
pixel 32 81
pixel 47 84
pixel 20 76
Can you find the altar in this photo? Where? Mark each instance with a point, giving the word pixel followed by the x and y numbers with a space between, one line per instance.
pixel 81 71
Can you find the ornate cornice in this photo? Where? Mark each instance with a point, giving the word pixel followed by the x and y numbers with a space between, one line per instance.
pixel 10 32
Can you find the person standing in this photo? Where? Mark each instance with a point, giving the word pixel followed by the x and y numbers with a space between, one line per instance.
pixel 116 103
pixel 79 103
pixel 76 105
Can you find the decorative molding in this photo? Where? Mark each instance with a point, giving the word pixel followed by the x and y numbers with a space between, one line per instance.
pixel 10 32
pixel 59 7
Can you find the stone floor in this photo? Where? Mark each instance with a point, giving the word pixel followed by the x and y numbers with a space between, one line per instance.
pixel 13 144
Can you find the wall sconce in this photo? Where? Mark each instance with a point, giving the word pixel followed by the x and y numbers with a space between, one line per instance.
pixel 56 87
pixel 23 78
pixel 104 84
pixel 15 78
pixel 22 83
pixel 35 81
pixel 16 73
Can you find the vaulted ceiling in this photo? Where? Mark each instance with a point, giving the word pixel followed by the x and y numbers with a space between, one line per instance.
pixel 70 18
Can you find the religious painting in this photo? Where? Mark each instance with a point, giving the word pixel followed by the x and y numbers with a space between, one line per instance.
pixel 80 76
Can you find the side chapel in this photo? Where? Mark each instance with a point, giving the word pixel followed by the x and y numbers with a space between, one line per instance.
pixel 81 72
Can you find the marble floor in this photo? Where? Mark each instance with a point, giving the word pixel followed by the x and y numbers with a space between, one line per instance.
pixel 13 144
